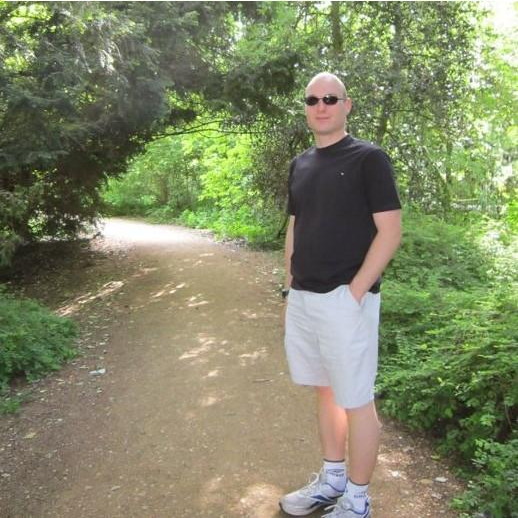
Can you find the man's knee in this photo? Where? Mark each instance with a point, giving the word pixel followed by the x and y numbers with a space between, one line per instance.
pixel 364 413
pixel 324 391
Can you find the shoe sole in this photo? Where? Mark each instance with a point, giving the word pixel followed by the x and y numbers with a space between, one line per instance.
pixel 302 512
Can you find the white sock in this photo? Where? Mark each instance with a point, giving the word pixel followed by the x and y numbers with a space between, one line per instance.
pixel 356 495
pixel 335 473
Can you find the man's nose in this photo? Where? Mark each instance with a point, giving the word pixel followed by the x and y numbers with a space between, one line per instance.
pixel 321 106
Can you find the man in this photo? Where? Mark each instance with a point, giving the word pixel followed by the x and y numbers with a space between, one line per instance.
pixel 344 227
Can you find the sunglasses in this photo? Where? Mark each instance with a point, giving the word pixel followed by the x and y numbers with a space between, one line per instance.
pixel 312 100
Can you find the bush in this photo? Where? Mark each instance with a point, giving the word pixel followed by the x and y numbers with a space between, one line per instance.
pixel 253 225
pixel 434 252
pixel 33 340
pixel 495 481
pixel 449 338
pixel 452 368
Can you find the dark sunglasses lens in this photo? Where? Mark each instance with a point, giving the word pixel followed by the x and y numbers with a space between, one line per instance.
pixel 330 99
pixel 311 100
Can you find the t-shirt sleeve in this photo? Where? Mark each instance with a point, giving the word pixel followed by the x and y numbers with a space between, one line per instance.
pixel 291 202
pixel 380 185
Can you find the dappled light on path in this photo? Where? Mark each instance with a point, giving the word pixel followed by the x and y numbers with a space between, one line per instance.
pixel 77 304
pixel 259 500
pixel 206 346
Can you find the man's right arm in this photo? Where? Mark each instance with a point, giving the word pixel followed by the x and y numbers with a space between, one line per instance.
pixel 288 252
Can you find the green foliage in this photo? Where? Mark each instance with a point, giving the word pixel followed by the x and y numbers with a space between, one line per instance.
pixel 512 215
pixel 84 87
pixel 449 339
pixel 262 71
pixel 11 404
pixel 202 182
pixel 33 341
pixel 227 188
pixel 12 207
pixel 440 254
pixel 495 474
pixel 455 352
pixel 419 104
pixel 161 183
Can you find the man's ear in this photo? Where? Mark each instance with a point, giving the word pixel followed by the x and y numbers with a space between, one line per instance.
pixel 348 105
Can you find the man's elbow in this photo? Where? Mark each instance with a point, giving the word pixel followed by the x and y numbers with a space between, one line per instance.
pixel 389 225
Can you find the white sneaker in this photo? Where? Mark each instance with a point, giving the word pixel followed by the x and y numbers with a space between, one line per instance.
pixel 318 493
pixel 344 509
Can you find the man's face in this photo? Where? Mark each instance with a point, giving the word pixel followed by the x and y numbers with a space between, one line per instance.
pixel 325 119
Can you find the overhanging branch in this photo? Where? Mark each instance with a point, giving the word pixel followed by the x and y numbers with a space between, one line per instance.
pixel 207 128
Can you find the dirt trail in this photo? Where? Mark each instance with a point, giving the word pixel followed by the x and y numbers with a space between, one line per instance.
pixel 194 415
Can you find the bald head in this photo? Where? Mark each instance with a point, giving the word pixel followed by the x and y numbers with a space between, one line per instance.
pixel 327 117
pixel 328 79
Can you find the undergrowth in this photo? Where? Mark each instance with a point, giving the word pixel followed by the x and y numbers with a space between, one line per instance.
pixel 448 359
pixel 33 342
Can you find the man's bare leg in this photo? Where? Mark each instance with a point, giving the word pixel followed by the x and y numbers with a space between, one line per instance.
pixel 332 425
pixel 330 484
pixel 364 438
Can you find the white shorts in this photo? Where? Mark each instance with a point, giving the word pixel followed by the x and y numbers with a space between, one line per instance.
pixel 332 340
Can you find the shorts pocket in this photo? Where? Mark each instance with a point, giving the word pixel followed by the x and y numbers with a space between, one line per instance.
pixel 353 301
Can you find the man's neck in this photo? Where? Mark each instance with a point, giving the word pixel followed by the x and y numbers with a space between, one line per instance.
pixel 328 140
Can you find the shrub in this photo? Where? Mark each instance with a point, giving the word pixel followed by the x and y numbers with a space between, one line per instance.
pixel 451 368
pixel 495 481
pixel 434 252
pixel 448 358
pixel 33 340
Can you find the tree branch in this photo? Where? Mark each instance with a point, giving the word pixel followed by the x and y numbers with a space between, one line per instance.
pixel 203 129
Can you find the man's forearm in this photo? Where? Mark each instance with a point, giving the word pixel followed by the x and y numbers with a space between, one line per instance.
pixel 288 252
pixel 381 251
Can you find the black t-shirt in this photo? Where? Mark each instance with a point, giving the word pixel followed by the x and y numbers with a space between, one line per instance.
pixel 333 193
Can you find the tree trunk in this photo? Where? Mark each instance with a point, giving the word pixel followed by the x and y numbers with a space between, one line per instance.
pixel 394 75
pixel 337 42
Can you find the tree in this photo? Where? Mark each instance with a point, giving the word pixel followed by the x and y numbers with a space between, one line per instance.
pixel 409 68
pixel 84 86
